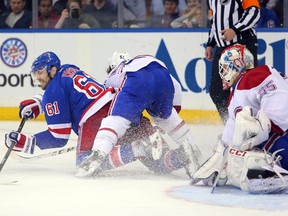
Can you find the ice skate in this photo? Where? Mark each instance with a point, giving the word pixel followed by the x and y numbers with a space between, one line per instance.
pixel 91 164
pixel 189 157
pixel 151 145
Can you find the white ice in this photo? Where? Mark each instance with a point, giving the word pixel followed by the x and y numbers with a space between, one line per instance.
pixel 47 187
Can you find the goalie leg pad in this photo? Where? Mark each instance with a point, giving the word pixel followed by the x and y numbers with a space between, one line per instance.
pixel 212 167
pixel 265 186
pixel 255 172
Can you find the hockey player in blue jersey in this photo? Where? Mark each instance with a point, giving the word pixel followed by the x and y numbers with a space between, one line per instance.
pixel 142 83
pixel 73 100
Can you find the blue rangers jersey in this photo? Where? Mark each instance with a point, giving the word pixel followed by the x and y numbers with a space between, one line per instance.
pixel 70 98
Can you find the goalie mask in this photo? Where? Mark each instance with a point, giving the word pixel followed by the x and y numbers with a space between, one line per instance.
pixel 46 61
pixel 116 59
pixel 234 61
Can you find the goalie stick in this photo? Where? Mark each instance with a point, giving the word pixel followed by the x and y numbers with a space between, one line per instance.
pixel 225 155
pixel 48 154
pixel 6 156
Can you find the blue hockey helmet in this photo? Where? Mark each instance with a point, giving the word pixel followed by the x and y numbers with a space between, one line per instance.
pixel 46 60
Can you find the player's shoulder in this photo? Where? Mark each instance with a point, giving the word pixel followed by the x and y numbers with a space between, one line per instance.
pixel 68 70
pixel 254 77
pixel 140 59
pixel 136 63
pixel 140 62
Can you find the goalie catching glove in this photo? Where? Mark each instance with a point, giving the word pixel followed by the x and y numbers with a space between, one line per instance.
pixel 250 131
pixel 31 108
pixel 21 142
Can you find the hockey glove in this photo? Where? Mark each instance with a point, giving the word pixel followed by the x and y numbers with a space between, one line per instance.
pixel 31 107
pixel 24 143
pixel 249 130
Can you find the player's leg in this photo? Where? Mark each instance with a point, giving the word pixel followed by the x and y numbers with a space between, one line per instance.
pixel 119 155
pixel 127 150
pixel 169 162
pixel 86 135
pixel 275 143
pixel 166 117
pixel 137 142
pixel 179 131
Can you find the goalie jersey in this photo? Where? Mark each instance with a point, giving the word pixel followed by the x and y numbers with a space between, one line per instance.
pixel 71 97
pixel 264 88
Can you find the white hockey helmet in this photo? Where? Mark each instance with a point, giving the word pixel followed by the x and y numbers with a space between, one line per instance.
pixel 234 62
pixel 116 59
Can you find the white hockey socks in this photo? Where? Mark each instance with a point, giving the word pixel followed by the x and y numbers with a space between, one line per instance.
pixel 112 128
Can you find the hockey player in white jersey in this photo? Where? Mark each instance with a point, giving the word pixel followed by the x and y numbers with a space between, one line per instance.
pixel 253 150
pixel 141 83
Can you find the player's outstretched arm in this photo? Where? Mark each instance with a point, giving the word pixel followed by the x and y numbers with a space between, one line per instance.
pixel 24 143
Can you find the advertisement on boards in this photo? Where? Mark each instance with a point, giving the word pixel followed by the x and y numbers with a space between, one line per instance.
pixel 182 52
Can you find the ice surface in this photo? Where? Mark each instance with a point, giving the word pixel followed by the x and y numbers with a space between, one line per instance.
pixel 47 187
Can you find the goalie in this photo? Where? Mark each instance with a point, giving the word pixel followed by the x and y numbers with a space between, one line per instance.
pixel 252 153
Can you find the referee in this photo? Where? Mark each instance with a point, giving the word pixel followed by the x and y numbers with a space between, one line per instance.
pixel 232 21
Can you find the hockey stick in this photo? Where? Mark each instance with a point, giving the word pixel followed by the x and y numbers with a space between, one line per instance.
pixel 225 154
pixel 13 144
pixel 49 154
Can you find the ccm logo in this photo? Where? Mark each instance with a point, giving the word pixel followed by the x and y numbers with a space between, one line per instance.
pixel 237 152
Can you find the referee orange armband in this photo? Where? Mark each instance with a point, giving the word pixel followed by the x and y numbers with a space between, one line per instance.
pixel 250 3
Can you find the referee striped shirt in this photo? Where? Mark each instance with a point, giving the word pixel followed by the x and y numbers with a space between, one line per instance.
pixel 240 15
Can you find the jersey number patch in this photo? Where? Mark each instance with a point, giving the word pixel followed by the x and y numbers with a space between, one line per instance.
pixel 89 88
pixel 52 108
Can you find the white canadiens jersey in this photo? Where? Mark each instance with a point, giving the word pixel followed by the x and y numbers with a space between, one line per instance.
pixel 117 76
pixel 261 88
